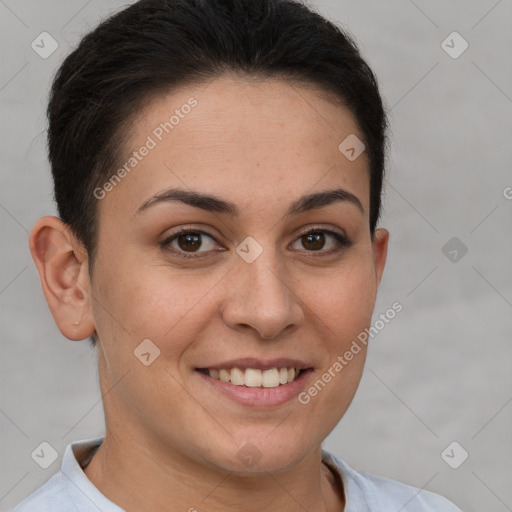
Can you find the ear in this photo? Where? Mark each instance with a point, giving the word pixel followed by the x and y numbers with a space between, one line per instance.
pixel 62 263
pixel 380 252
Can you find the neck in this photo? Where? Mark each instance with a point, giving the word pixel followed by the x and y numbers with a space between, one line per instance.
pixel 138 477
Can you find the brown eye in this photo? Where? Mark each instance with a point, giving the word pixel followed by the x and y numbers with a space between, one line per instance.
pixel 189 243
pixel 323 241
pixel 313 241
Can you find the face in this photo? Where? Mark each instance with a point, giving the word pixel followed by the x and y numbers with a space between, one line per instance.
pixel 257 278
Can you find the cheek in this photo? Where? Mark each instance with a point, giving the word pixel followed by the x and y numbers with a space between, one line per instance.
pixel 343 298
pixel 153 303
pixel 341 306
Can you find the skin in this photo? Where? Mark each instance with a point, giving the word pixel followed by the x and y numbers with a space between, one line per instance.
pixel 169 438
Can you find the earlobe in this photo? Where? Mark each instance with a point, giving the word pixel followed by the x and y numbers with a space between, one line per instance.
pixel 62 265
pixel 380 251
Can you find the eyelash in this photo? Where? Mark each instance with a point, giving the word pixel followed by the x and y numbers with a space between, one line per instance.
pixel 343 242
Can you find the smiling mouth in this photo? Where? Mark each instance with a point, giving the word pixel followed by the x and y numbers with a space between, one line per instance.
pixel 254 377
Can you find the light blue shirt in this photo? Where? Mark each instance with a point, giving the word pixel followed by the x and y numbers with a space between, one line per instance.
pixel 70 490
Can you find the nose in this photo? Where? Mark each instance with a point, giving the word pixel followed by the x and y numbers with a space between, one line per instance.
pixel 259 297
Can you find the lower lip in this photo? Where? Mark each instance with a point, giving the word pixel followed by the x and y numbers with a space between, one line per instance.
pixel 264 397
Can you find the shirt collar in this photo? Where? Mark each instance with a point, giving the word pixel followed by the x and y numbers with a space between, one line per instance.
pixel 81 490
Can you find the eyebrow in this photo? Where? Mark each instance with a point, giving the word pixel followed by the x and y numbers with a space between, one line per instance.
pixel 215 204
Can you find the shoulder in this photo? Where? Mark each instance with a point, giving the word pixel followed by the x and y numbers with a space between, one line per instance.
pixel 50 497
pixel 377 493
pixel 69 490
pixel 406 497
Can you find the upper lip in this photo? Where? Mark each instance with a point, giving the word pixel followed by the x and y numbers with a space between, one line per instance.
pixel 263 364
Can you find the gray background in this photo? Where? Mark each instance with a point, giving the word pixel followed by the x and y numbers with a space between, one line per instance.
pixel 439 372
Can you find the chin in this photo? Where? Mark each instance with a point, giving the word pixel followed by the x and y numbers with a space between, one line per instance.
pixel 262 455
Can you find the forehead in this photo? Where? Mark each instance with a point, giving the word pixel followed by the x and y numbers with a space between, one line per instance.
pixel 252 141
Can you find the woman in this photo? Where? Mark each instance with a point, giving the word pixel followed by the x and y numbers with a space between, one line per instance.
pixel 218 168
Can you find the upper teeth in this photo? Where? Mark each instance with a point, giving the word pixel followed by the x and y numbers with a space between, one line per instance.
pixel 255 378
